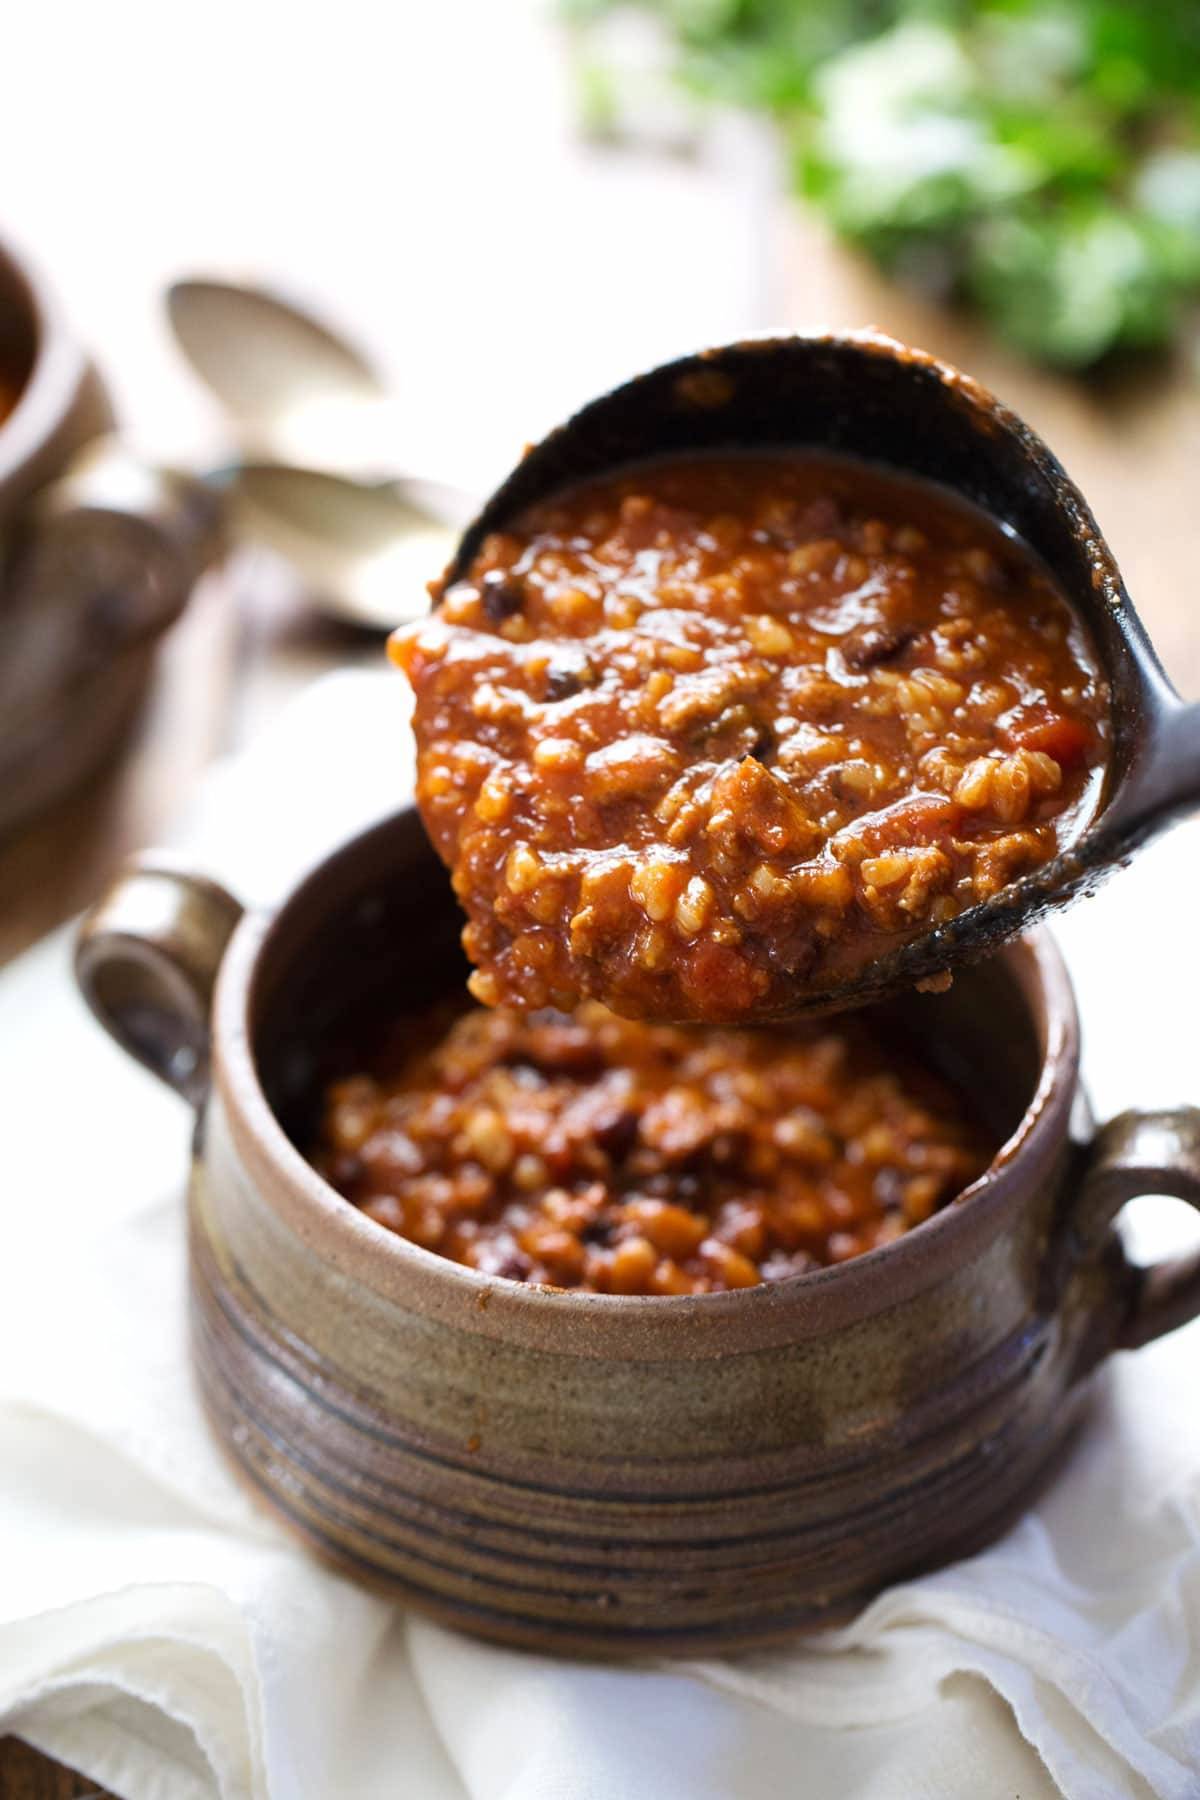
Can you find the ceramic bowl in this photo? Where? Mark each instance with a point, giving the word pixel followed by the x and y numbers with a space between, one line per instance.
pixel 97 557
pixel 600 1474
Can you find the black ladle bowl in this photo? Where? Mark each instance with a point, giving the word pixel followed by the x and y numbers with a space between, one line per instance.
pixel 864 395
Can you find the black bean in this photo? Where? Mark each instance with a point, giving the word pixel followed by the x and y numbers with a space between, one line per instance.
pixel 564 679
pixel 501 1255
pixel 500 596
pixel 869 645
pixel 616 1132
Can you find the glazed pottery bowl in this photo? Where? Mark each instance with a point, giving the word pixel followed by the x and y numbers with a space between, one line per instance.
pixel 97 556
pixel 57 399
pixel 600 1474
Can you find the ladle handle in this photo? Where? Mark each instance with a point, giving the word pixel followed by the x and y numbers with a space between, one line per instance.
pixel 1180 760
pixel 1167 784
pixel 146 960
pixel 1143 1153
pixel 1187 748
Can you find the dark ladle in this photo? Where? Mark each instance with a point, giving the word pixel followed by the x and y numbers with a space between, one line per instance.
pixel 865 395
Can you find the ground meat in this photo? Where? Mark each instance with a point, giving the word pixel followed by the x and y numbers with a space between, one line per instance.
pixel 715 733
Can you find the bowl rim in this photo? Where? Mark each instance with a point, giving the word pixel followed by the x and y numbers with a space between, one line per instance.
pixel 59 365
pixel 772 1313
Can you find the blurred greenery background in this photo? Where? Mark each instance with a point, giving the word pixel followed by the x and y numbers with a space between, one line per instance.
pixel 1038 160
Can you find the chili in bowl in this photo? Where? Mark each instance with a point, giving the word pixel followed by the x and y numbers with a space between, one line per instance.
pixel 597 1153
pixel 612 1336
pixel 599 1472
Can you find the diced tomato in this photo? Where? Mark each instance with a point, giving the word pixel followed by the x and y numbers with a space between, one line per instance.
pixel 1066 740
pixel 720 982
pixel 923 819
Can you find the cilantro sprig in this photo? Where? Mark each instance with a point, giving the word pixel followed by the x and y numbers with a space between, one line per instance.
pixel 1039 159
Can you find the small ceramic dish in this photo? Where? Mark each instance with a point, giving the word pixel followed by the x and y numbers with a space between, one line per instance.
pixel 97 557
pixel 591 1473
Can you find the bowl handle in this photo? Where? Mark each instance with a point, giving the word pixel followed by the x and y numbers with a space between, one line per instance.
pixel 1144 1153
pixel 107 555
pixel 146 960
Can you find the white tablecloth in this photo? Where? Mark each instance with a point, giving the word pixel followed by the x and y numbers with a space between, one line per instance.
pixel 159 1632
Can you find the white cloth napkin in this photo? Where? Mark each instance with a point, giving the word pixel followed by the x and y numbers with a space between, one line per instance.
pixel 159 1632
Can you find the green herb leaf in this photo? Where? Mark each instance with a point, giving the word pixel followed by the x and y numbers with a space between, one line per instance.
pixel 1039 157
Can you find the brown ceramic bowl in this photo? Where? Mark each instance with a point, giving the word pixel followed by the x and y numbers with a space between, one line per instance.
pixel 97 558
pixel 591 1473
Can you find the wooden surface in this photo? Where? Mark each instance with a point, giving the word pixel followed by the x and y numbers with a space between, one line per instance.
pixel 247 644
pixel 27 1775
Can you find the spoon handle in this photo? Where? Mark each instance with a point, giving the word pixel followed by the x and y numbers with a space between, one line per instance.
pixel 1165 784
pixel 1179 761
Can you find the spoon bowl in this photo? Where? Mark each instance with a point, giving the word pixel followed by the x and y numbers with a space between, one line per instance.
pixel 365 552
pixel 295 390
pixel 864 395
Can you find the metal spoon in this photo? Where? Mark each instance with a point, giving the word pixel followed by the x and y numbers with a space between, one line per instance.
pixel 366 553
pixel 317 430
pixel 866 396
pixel 294 390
